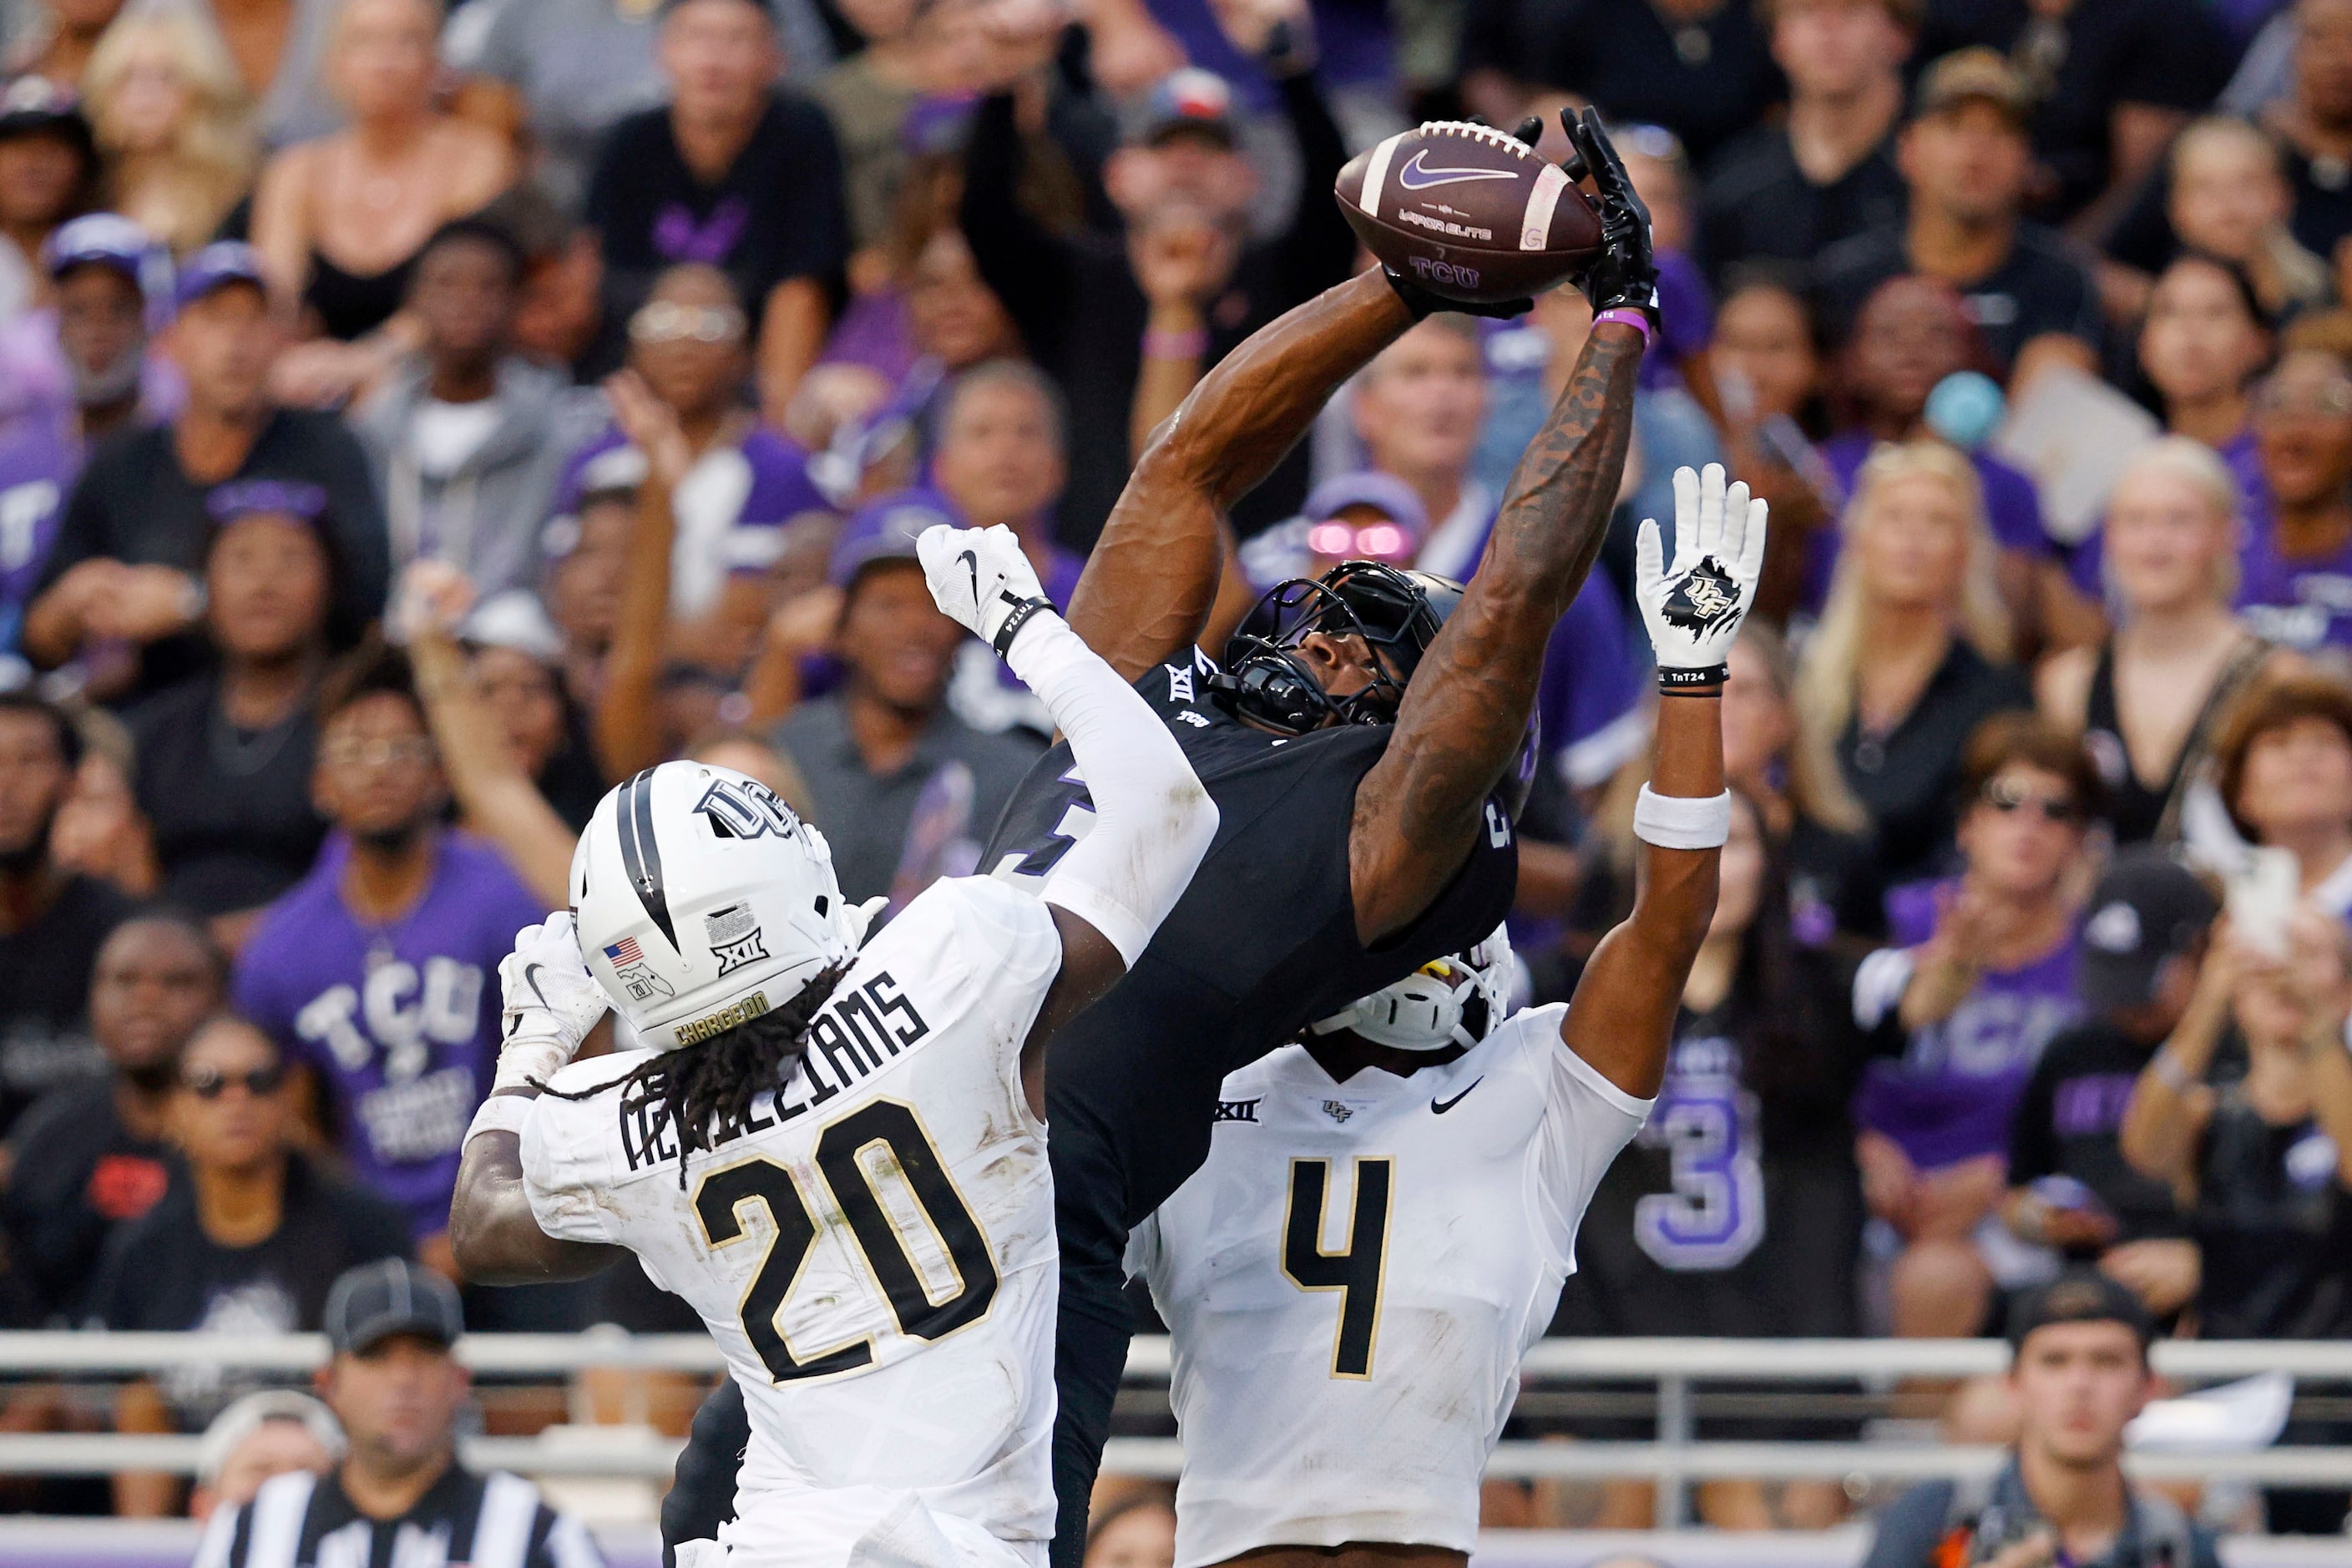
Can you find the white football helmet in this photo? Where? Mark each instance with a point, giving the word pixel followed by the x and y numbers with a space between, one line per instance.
pixel 703 902
pixel 1453 1001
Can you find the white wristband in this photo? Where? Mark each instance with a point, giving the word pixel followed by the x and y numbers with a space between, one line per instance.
pixel 1682 822
pixel 501 1113
pixel 526 1064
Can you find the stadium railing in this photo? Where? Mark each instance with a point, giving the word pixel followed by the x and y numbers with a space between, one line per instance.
pixel 1674 1459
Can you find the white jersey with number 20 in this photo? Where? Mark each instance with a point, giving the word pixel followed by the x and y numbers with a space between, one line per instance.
pixel 1352 1279
pixel 875 1253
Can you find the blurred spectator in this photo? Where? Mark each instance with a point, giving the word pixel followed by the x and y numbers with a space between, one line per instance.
pixel 2078 1375
pixel 1417 409
pixel 1907 660
pixel 2225 196
pixel 2283 765
pixel 1765 1057
pixel 1967 161
pixel 1699 68
pixel 262 1435
pixel 2204 341
pixel 89 1158
pixel 1140 1533
pixel 2257 1141
pixel 48 171
pixel 1787 190
pixel 1075 298
pixel 378 971
pixel 868 96
pixel 735 174
pixel 470 437
pixel 1912 334
pixel 2146 700
pixel 2296 582
pixel 1981 975
pixel 93 355
pixel 744 481
pixel 515 658
pixel 338 222
pixel 399 1394
pixel 1765 367
pixel 1364 516
pixel 126 561
pixel 999 458
pixel 905 791
pixel 63 36
pixel 170 117
pixel 2314 124
pixel 224 758
pixel 247 1240
pixel 585 550
pixel 2069 1187
pixel 1792 780
pixel 52 920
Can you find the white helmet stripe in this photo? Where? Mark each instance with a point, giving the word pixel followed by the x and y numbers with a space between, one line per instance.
pixel 632 817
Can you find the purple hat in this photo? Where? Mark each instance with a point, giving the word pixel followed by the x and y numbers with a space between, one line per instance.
pixel 1189 99
pixel 885 528
pixel 216 266
pixel 113 241
pixel 1385 493
pixel 265 498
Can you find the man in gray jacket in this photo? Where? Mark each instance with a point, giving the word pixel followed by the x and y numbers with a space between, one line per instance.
pixel 467 437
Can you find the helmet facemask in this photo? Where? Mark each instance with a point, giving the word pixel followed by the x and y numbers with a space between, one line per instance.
pixel 1395 613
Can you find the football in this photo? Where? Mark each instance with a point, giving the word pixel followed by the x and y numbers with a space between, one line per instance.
pixel 1468 213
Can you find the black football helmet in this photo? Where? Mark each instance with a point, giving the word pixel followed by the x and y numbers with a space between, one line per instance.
pixel 1395 611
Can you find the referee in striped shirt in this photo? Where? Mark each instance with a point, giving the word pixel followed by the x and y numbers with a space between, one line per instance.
pixel 399 1498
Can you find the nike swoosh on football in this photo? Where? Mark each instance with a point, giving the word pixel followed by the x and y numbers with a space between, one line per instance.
pixel 1442 1106
pixel 1417 175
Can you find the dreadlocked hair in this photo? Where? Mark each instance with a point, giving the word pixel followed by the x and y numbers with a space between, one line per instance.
pixel 705 1092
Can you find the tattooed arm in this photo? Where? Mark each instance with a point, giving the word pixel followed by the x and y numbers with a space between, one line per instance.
pixel 1149 585
pixel 1465 711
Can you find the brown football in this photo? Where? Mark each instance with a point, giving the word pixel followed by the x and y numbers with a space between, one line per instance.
pixel 1468 213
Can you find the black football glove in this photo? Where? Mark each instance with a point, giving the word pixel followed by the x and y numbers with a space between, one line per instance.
pixel 1422 303
pixel 1624 277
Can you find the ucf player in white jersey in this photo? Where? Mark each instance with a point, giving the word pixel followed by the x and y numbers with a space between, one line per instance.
pixel 833 1150
pixel 1390 1205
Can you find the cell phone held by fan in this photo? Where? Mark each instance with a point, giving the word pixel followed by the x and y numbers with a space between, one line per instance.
pixel 2262 891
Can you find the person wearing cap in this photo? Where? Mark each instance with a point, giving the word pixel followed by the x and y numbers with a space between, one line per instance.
pixel 48 167
pixel 734 171
pixel 377 970
pixel 1966 162
pixel 903 789
pixel 399 1494
pixel 268 1432
pixel 247 1238
pixel 2078 1375
pixel 71 376
pixel 2070 1188
pixel 128 556
pixel 1076 299
pixel 471 437
pixel 1783 190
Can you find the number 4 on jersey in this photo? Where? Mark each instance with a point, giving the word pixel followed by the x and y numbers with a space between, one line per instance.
pixel 1355 1270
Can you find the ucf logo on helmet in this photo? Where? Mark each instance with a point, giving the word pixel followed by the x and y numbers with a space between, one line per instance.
pixel 745 808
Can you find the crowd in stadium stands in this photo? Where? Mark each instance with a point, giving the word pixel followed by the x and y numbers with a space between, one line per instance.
pixel 413 422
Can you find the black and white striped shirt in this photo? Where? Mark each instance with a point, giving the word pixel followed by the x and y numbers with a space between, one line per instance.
pixel 302 1521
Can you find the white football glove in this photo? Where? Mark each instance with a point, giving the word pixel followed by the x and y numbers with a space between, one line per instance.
pixel 1692 609
pixel 977 577
pixel 552 1002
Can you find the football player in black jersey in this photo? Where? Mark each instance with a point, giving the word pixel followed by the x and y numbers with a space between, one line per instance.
pixel 1355 749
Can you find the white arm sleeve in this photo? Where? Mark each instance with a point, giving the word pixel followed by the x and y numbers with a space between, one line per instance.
pixel 1587 1120
pixel 1153 820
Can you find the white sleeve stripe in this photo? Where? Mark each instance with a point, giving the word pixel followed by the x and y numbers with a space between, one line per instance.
pixel 1594 1080
pixel 277 1514
pixel 502 1528
pixel 1534 225
pixel 1879 985
pixel 569 1545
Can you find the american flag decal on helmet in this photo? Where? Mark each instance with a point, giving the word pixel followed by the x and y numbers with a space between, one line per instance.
pixel 625 951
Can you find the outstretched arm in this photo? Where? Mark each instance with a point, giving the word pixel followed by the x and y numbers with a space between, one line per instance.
pixel 1151 580
pixel 1466 709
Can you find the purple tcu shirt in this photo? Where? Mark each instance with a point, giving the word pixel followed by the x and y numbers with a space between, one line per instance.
pixel 399 1021
pixel 1950 1096
pixel 2012 507
pixel 37 465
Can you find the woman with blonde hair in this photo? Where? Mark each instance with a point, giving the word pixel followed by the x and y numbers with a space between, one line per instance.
pixel 2146 700
pixel 1911 653
pixel 339 221
pixel 174 121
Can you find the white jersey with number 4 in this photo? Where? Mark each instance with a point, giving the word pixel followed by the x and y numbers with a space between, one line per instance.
pixel 1352 1279
pixel 875 1253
